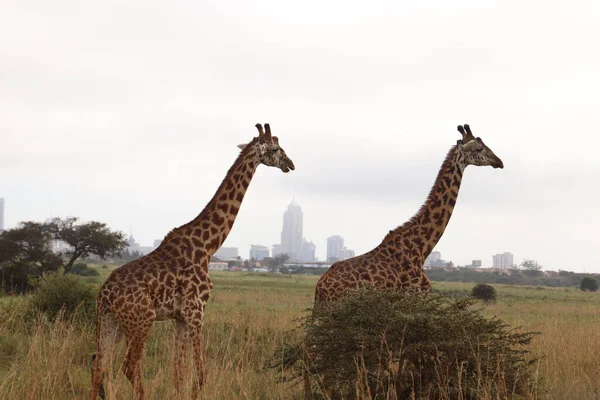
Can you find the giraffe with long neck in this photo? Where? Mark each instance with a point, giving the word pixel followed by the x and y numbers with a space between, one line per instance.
pixel 172 282
pixel 397 263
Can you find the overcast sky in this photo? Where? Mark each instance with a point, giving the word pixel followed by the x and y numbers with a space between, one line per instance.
pixel 130 115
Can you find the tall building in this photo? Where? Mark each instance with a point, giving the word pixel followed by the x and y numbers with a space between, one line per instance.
pixel 335 243
pixel 502 261
pixel 258 252
pixel 346 254
pixel 434 260
pixel 291 234
pixel 1 214
pixel 308 251
pixel 227 253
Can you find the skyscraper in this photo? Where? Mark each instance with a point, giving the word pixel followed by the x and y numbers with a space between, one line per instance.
pixel 335 243
pixel 308 251
pixel 291 234
pixel 1 214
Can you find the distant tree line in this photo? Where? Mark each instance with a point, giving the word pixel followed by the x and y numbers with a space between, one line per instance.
pixel 27 250
pixel 514 277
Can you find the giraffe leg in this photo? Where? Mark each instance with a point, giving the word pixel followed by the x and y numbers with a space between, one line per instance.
pixel 132 366
pixel 137 332
pixel 108 336
pixel 181 341
pixel 197 336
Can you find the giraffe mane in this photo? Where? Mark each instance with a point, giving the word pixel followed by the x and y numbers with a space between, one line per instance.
pixel 429 198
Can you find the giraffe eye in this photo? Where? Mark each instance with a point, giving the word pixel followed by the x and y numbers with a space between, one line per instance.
pixel 479 149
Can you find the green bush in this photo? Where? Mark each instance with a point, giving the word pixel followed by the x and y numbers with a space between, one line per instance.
pixel 588 284
pixel 64 293
pixel 83 270
pixel 404 345
pixel 484 292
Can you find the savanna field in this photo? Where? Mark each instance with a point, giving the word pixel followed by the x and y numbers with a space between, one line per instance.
pixel 250 315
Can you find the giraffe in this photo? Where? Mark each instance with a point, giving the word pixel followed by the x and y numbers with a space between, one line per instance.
pixel 172 282
pixel 397 262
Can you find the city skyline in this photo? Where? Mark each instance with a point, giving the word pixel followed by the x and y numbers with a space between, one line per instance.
pixel 293 221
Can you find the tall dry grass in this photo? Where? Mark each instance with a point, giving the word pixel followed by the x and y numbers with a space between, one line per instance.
pixel 247 318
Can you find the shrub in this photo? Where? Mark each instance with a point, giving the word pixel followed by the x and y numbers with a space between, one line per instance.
pixel 403 345
pixel 484 292
pixel 83 270
pixel 588 283
pixel 67 293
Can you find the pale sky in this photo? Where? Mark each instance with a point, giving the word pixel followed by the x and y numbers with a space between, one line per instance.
pixel 130 115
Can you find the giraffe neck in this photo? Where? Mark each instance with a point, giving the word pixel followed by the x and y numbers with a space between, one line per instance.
pixel 424 230
pixel 211 227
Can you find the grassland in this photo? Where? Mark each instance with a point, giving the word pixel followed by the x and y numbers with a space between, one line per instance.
pixel 248 316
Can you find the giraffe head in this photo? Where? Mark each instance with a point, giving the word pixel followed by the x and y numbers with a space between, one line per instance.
pixel 474 151
pixel 269 151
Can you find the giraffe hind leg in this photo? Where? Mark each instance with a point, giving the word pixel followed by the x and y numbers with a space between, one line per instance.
pixel 101 388
pixel 108 336
pixel 137 337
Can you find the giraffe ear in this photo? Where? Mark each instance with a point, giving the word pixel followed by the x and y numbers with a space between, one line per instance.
pixel 241 146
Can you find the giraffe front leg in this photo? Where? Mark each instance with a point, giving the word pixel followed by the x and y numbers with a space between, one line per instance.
pixel 198 345
pixel 181 342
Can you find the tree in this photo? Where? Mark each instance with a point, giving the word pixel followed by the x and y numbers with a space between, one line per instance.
pixel 531 268
pixel 589 284
pixel 85 239
pixel 530 265
pixel 281 259
pixel 26 250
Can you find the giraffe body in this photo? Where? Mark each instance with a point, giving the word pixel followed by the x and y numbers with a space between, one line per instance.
pixel 397 263
pixel 172 282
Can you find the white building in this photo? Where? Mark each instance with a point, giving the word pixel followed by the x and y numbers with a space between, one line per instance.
pixel 291 234
pixel 227 253
pixel 502 261
pixel 258 252
pixel 335 243
pixel 433 260
pixel 218 265
pixel 346 254
pixel 308 251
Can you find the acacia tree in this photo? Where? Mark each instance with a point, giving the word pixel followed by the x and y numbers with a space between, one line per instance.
pixel 530 265
pixel 85 239
pixel 531 268
pixel 24 251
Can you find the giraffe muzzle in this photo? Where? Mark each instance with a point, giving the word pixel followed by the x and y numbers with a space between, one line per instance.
pixel 289 166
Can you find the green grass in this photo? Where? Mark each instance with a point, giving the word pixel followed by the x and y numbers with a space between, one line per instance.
pixel 246 319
